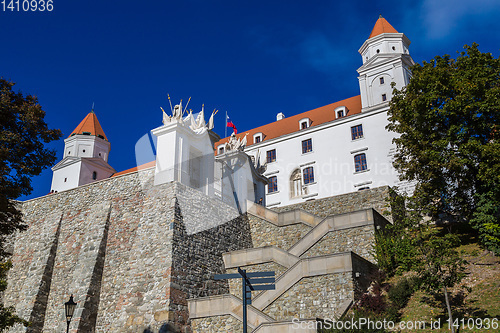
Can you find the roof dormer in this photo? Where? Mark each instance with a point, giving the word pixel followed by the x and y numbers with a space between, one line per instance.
pixel 341 111
pixel 304 123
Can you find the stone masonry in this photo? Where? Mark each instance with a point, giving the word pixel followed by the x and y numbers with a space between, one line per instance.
pixel 134 255
pixel 297 247
pixel 131 254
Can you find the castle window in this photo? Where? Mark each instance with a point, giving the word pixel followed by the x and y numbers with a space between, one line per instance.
pixel 94 175
pixel 271 156
pixel 296 184
pixel 69 153
pixel 65 179
pixel 221 149
pixel 86 133
pixel 394 48
pixel 357 132
pixel 378 51
pixel 307 146
pixel 99 154
pixel 340 114
pixel 84 150
pixel 257 139
pixel 360 162
pixel 384 97
pixel 381 80
pixel 308 175
pixel 272 186
pixel 303 125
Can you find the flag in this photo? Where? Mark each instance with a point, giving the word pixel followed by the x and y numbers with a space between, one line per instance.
pixel 230 124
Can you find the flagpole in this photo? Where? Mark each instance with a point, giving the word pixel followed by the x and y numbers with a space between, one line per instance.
pixel 225 130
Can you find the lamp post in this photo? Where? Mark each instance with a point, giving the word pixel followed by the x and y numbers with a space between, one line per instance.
pixel 69 308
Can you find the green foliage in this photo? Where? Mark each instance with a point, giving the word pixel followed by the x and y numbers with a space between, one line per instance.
pixel 23 133
pixel 441 265
pixel 486 220
pixel 394 250
pixel 400 293
pixel 448 118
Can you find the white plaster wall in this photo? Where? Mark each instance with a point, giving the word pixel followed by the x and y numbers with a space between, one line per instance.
pixel 332 158
pixel 86 146
pixel 86 170
pixel 178 150
pixel 72 175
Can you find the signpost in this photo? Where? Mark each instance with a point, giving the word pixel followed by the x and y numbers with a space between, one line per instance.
pixel 250 282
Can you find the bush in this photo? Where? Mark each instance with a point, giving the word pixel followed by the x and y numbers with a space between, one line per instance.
pixel 401 292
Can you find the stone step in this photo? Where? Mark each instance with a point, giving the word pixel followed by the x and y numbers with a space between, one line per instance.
pixel 259 255
pixel 227 304
pixel 284 218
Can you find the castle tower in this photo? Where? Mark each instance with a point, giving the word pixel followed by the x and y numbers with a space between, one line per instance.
pixel 385 60
pixel 85 158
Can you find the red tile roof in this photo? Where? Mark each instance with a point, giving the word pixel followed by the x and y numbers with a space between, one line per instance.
pixel 134 169
pixel 381 27
pixel 91 125
pixel 289 125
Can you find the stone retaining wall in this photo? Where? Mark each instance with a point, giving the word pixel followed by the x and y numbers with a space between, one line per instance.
pixel 344 203
pixel 226 324
pixel 313 297
pixel 266 233
pixel 359 240
pixel 130 252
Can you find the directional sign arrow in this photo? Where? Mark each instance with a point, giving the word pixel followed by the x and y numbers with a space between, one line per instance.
pixel 261 280
pixel 261 287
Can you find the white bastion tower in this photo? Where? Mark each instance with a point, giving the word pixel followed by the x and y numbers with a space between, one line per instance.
pixel 85 158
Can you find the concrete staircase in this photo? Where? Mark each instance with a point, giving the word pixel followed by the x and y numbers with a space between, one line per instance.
pixel 297 268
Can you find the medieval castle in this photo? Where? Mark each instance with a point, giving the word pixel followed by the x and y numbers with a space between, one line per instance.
pixel 138 249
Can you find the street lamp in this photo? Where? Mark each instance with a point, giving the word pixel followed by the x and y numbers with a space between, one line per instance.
pixel 69 307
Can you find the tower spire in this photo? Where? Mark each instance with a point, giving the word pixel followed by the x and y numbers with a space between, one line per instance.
pixel 382 27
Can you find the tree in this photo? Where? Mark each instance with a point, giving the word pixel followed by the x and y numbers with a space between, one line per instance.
pixel 448 118
pixel 439 267
pixel 23 133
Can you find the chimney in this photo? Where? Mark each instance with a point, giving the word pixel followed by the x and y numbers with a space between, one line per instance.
pixel 280 116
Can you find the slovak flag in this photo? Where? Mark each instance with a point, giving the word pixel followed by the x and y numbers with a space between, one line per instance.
pixel 230 124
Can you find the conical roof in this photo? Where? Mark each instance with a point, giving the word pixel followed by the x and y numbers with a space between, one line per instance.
pixel 90 126
pixel 381 27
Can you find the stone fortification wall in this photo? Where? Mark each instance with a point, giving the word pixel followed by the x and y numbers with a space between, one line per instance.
pixel 130 252
pixel 197 255
pixel 265 233
pixel 313 297
pixel 359 240
pixel 344 203
pixel 227 324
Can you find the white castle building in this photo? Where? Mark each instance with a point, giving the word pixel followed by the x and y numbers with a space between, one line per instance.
pixel 335 149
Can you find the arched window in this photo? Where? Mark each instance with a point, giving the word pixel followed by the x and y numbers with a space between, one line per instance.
pixel 94 175
pixel 296 184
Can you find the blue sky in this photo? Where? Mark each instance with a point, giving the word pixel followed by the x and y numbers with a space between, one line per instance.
pixel 252 59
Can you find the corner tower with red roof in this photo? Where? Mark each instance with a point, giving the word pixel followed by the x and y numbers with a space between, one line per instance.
pixel 386 59
pixel 341 147
pixel 85 159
